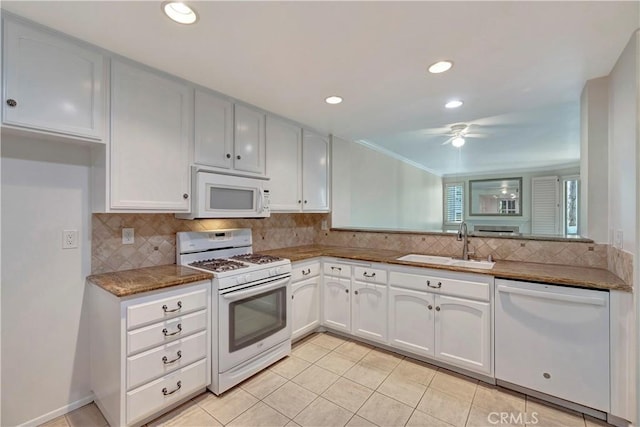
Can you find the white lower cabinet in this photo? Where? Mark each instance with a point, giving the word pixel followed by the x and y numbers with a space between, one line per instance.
pixel 336 298
pixel 463 333
pixel 149 352
pixel 369 311
pixel 410 317
pixel 428 316
pixel 305 298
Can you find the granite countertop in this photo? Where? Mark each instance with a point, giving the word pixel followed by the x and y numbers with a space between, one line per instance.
pixel 596 278
pixel 131 282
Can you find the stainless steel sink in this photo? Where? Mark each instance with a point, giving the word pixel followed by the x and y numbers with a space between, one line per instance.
pixel 441 260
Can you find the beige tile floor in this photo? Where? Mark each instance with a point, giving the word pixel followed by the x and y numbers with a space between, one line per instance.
pixel 331 381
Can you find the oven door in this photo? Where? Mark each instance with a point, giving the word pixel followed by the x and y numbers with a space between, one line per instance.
pixel 252 320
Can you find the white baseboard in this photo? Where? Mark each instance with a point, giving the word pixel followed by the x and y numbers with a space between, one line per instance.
pixel 57 412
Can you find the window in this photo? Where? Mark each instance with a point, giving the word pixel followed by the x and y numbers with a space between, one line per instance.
pixel 507 206
pixel 453 202
pixel 571 193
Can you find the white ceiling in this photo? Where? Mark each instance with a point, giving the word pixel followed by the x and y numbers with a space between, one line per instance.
pixel 519 66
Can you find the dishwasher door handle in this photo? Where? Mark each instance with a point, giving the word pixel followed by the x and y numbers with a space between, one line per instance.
pixel 577 299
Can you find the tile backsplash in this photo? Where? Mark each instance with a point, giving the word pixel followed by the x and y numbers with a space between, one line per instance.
pixel 155 236
pixel 155 240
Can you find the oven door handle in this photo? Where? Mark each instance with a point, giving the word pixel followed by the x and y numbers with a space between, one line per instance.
pixel 235 295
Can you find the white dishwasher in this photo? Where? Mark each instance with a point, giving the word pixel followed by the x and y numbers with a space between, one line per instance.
pixel 553 339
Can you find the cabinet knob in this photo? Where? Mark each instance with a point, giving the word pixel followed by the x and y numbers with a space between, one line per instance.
pixel 546 375
pixel 305 202
pixel 437 308
pixel 291 296
pixel 11 102
pixel 299 201
pixel 356 292
pixel 228 156
pixel 238 157
pixel 430 307
pixel 185 196
pixel 346 291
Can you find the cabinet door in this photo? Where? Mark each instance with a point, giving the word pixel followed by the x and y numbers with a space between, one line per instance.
pixel 52 84
pixel 369 311
pixel 315 172
pixel 249 140
pixel 337 303
pixel 213 130
pixel 463 333
pixel 284 162
pixel 305 311
pixel 411 320
pixel 150 122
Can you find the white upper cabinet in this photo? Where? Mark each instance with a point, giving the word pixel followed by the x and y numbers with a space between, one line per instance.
pixel 213 131
pixel 249 140
pixel 284 165
pixel 151 119
pixel 298 166
pixel 315 172
pixel 228 137
pixel 51 84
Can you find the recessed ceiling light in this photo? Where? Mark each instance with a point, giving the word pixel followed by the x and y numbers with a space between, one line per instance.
pixel 179 12
pixel 333 99
pixel 457 142
pixel 453 104
pixel 440 67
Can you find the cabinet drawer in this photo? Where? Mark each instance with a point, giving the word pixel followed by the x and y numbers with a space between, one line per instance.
pixel 150 398
pixel 367 274
pixel 304 271
pixel 165 308
pixel 336 269
pixel 445 285
pixel 159 361
pixel 163 332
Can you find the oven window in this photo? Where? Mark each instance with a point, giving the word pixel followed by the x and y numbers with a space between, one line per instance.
pixel 255 318
pixel 221 198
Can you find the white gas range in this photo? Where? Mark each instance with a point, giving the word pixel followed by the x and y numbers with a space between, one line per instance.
pixel 250 305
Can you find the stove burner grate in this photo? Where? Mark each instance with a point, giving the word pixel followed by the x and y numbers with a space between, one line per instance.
pixel 218 265
pixel 257 258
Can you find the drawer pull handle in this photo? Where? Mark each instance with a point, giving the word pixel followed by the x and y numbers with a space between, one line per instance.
pixel 438 286
pixel 167 392
pixel 306 272
pixel 168 334
pixel 365 274
pixel 166 309
pixel 336 268
pixel 168 362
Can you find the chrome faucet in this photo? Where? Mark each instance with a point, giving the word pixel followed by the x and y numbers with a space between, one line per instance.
pixel 462 236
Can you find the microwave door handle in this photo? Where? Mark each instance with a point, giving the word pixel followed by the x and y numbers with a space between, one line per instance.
pixel 235 295
pixel 260 201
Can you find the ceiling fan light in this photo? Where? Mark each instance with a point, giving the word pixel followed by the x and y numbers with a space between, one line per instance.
pixel 457 142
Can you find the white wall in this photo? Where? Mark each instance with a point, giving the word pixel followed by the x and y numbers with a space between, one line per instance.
pixel 524 221
pixel 594 166
pixel 373 190
pixel 45 363
pixel 624 202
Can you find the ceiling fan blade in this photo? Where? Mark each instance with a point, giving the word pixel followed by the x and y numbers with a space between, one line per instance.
pixel 448 141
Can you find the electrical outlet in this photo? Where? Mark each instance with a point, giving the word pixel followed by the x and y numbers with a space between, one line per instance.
pixel 69 239
pixel 324 225
pixel 128 236
pixel 619 242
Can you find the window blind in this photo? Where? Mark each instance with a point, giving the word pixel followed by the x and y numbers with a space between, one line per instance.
pixel 453 202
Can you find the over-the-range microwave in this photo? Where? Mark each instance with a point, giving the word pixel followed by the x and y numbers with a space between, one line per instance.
pixel 217 195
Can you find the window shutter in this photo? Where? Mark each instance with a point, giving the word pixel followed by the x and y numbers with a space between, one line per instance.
pixel 545 205
pixel 453 202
